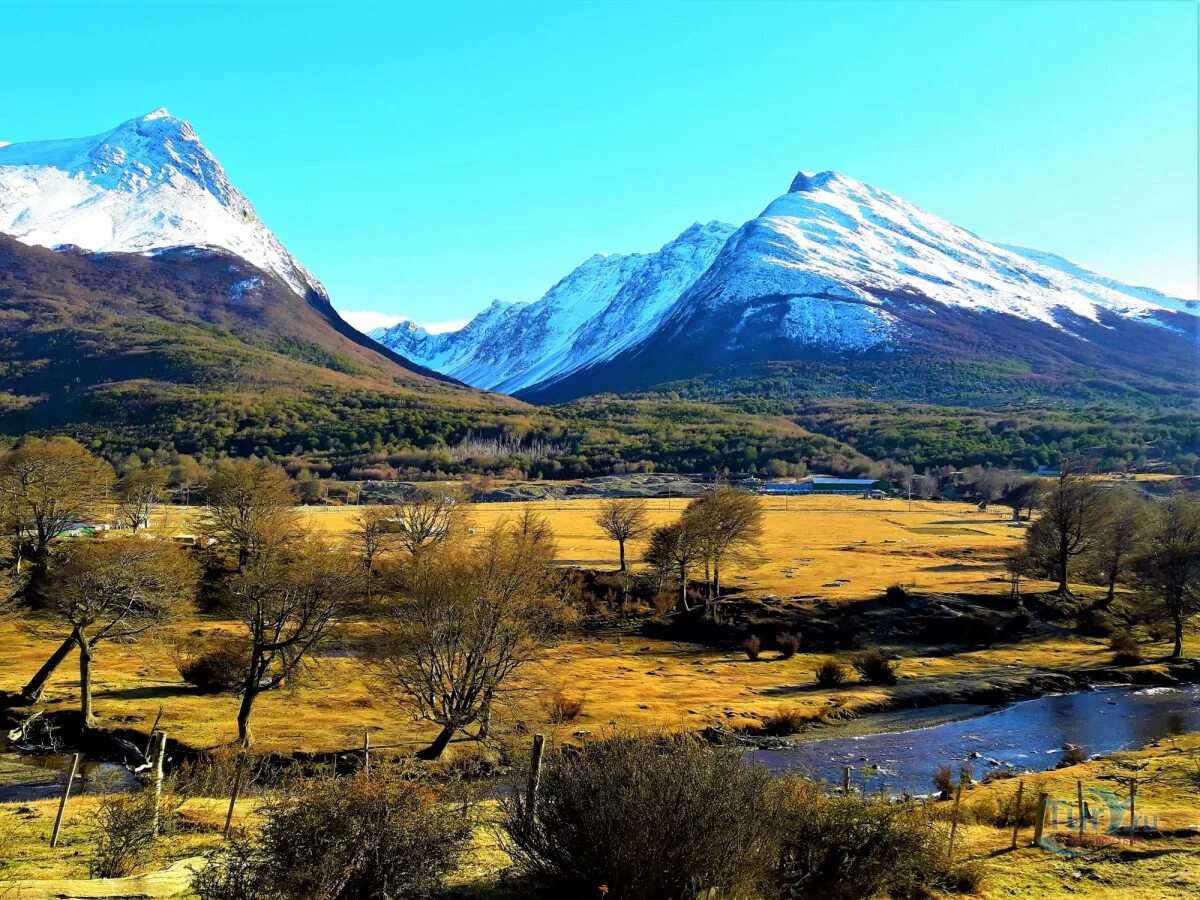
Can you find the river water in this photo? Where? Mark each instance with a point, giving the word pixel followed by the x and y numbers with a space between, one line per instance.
pixel 1024 737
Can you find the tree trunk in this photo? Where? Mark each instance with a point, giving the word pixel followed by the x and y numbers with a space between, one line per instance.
pixel 435 750
pixel 243 717
pixel 717 579
pixel 683 601
pixel 85 683
pixel 32 692
pixel 621 553
pixel 1178 651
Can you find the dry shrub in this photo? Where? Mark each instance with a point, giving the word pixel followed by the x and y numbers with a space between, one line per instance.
pixel 650 816
pixel 788 645
pixel 217 666
pixel 369 835
pixel 561 708
pixel 123 838
pixel 850 847
pixel 875 668
pixel 943 780
pixel 1125 647
pixel 786 720
pixel 753 647
pixel 831 674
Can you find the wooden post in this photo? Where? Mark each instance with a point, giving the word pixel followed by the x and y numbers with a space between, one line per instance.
pixel 1079 797
pixel 233 796
pixel 954 819
pixel 1040 822
pixel 367 752
pixel 150 737
pixel 846 780
pixel 62 804
pixel 535 773
pixel 1132 809
pixel 159 755
pixel 1017 814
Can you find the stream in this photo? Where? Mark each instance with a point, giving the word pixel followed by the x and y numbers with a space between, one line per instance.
pixel 1027 736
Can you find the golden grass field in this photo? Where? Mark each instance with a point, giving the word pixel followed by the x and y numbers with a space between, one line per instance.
pixel 822 548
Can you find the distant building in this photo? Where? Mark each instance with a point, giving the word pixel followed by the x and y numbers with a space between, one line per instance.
pixel 822 485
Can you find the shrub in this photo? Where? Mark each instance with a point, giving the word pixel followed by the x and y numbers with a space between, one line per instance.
pixel 560 708
pixel 123 836
pixel 649 816
pixel 1072 756
pixel 374 834
pixel 788 644
pixel 753 647
pixel 1125 647
pixel 217 667
pixel 875 668
pixel 943 781
pixel 785 721
pixel 831 674
pixel 861 846
pixel 896 595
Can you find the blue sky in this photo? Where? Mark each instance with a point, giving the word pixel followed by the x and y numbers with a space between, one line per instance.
pixel 422 160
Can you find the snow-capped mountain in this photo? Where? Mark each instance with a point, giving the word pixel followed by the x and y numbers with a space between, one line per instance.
pixel 832 269
pixel 145 186
pixel 604 306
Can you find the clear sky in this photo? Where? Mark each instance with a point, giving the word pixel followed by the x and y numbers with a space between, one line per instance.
pixel 424 159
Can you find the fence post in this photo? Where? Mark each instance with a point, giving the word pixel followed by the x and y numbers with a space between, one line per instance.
pixel 954 819
pixel 62 804
pixel 535 773
pixel 367 752
pixel 1017 814
pixel 159 754
pixel 1132 809
pixel 233 796
pixel 150 737
pixel 1079 797
pixel 846 780
pixel 1040 822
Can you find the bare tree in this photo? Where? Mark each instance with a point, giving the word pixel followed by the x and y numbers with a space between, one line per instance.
pixel 138 493
pixel 250 506
pixel 727 524
pixel 1168 568
pixel 1121 538
pixel 1023 495
pixel 371 532
pixel 422 521
pixel 289 599
pixel 1073 516
pixel 675 548
pixel 623 520
pixel 45 487
pixel 467 617
pixel 112 590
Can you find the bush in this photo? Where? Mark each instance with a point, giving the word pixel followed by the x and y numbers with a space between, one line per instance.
pixel 123 837
pixel 861 846
pixel 831 674
pixel 1125 647
pixel 875 668
pixel 560 708
pixel 788 645
pixel 943 781
pixel 369 835
pixel 753 647
pixel 650 816
pixel 218 667
pixel 896 595
pixel 785 721
pixel 1072 756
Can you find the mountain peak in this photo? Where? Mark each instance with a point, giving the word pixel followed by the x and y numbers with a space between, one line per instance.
pixel 147 185
pixel 813 181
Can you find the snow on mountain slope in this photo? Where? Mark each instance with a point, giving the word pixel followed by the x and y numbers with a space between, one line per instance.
pixel 605 305
pixel 838 243
pixel 147 185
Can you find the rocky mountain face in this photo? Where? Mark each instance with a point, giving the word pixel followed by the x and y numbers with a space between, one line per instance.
pixel 836 273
